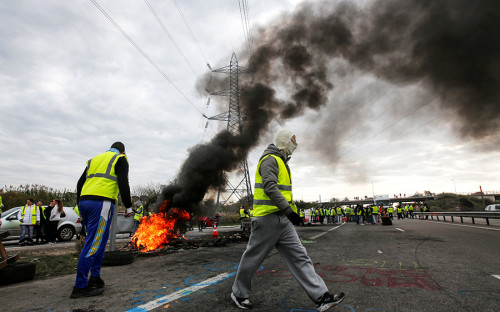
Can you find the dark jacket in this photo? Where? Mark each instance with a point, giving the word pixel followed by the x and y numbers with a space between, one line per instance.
pixel 121 170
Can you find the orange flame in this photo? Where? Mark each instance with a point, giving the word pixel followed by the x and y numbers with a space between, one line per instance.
pixel 159 229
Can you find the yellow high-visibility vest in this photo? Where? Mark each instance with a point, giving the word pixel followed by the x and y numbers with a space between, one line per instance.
pixel 33 214
pixel 242 213
pixel 139 213
pixel 262 204
pixel 101 176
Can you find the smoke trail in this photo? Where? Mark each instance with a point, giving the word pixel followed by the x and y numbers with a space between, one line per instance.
pixel 450 47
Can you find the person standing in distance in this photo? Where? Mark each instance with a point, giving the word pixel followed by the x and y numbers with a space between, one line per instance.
pixel 274 217
pixel 97 194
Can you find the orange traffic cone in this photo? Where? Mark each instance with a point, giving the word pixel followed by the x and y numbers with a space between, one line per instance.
pixel 215 234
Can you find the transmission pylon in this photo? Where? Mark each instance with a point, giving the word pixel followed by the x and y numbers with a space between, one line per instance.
pixel 234 118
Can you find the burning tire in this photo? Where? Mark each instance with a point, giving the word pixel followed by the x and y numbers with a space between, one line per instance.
pixel 112 258
pixel 17 272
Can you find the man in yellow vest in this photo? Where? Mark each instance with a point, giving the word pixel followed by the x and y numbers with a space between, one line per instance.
pixel 1 208
pixel 274 217
pixel 28 216
pixel 139 213
pixel 400 212
pixel 104 177
pixel 40 227
pixel 375 214
pixel 390 212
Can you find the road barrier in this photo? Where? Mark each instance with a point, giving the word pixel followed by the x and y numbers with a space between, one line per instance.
pixel 464 214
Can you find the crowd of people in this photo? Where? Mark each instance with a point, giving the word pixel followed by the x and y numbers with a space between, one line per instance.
pixel 361 214
pixel 38 222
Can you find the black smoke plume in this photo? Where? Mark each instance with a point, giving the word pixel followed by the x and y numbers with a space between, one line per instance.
pixel 450 47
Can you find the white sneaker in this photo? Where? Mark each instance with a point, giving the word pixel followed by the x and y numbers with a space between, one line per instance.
pixel 327 301
pixel 241 303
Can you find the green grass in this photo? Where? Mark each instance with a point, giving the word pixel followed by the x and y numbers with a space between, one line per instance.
pixel 52 265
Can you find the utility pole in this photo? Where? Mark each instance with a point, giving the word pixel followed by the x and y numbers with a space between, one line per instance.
pixel 482 194
pixel 234 118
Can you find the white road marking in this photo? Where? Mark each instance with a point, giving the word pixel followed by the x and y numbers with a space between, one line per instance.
pixel 179 294
pixel 497 276
pixel 400 229
pixel 314 237
pixel 472 226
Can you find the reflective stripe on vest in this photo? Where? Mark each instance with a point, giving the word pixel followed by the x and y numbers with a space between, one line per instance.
pixel 262 204
pixel 139 213
pixel 242 213
pixel 33 214
pixel 101 176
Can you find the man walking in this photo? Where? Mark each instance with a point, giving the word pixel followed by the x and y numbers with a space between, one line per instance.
pixel 97 194
pixel 274 215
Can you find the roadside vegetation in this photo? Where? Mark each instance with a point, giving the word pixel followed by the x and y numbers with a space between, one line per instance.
pixel 449 202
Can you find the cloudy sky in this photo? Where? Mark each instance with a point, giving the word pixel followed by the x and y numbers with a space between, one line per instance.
pixel 71 84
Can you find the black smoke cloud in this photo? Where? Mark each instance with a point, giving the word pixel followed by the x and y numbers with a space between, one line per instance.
pixel 449 46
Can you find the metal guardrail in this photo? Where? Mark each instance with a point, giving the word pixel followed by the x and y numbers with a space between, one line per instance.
pixel 467 214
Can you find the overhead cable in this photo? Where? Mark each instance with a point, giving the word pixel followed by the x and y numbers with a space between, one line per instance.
pixel 393 124
pixel 170 36
pixel 244 13
pixel 189 29
pixel 144 54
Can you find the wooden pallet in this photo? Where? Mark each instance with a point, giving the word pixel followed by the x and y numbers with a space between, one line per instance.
pixel 5 259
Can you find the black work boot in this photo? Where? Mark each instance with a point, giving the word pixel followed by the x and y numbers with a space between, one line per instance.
pixel 96 282
pixel 85 292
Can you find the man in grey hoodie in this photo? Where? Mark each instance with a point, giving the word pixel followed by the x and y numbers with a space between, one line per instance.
pixel 274 217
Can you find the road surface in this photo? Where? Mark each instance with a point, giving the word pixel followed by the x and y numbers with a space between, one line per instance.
pixel 411 266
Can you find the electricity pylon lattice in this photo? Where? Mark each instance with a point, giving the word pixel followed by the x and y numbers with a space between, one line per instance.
pixel 234 117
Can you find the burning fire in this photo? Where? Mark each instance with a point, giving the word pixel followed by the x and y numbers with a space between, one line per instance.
pixel 159 229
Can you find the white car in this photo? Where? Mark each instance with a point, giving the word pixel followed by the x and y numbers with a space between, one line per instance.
pixel 492 208
pixel 69 225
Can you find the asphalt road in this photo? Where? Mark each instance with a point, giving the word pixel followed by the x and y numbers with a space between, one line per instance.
pixel 411 266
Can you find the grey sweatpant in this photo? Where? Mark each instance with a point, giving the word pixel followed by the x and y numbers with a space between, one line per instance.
pixel 277 231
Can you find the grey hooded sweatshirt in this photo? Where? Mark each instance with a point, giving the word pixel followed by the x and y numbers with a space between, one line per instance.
pixel 269 170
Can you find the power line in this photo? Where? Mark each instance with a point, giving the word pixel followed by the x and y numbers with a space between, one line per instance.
pixel 170 36
pixel 144 54
pixel 245 21
pixel 229 38
pixel 391 125
pixel 189 29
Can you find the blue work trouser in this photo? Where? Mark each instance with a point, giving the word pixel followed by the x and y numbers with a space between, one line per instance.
pixel 26 229
pixel 96 216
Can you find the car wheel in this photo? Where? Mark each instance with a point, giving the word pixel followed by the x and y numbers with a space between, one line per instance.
pixel 66 233
pixel 112 258
pixel 17 272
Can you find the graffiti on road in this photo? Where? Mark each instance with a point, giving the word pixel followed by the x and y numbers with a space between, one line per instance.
pixel 367 272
